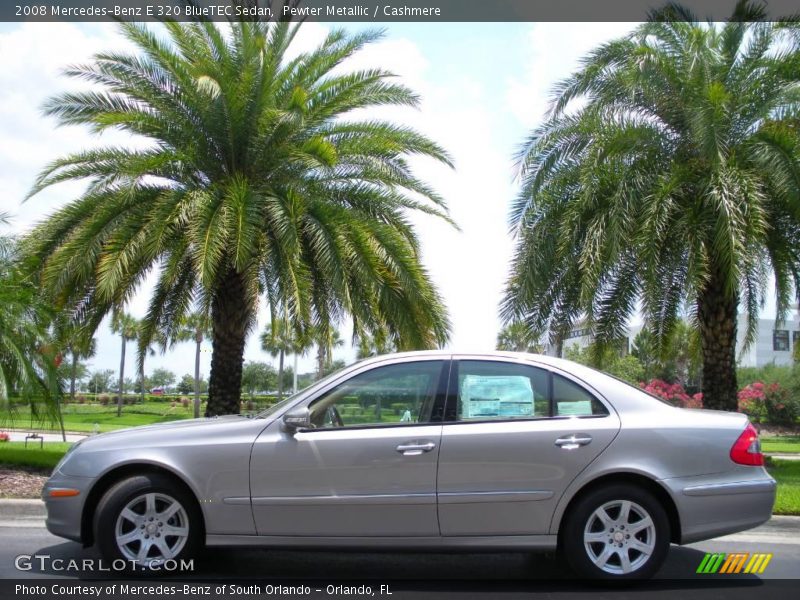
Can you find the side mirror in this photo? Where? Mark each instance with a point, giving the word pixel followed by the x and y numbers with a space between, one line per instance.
pixel 299 418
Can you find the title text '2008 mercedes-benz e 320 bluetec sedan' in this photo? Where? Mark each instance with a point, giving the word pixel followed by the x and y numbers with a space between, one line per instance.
pixel 426 450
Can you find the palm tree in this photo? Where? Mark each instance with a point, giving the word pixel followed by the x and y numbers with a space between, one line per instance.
pixel 77 342
pixel 373 345
pixel 79 348
pixel 147 346
pixel 27 364
pixel 257 181
pixel 279 339
pixel 666 176
pixel 516 337
pixel 194 328
pixel 128 329
pixel 326 339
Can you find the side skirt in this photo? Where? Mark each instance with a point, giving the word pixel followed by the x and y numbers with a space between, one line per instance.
pixel 476 543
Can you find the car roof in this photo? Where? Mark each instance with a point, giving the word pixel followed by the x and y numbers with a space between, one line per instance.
pixel 540 358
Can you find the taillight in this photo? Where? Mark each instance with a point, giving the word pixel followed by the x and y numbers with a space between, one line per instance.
pixel 747 449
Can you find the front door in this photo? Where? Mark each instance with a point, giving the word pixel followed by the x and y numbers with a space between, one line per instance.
pixel 515 436
pixel 366 468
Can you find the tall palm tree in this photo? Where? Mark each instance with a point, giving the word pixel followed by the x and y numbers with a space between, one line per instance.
pixel 279 339
pixel 516 337
pixel 195 328
pixel 373 345
pixel 147 346
pixel 77 342
pixel 258 181
pixel 27 362
pixel 667 176
pixel 79 348
pixel 326 339
pixel 128 329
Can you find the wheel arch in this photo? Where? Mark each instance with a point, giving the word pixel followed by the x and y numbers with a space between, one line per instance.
pixel 117 474
pixel 629 478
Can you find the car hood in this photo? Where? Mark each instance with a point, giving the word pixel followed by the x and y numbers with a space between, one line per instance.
pixel 183 426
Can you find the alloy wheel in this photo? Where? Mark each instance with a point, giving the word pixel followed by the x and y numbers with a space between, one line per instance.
pixel 619 537
pixel 152 528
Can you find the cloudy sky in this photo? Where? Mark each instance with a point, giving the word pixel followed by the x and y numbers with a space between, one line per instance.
pixel 484 86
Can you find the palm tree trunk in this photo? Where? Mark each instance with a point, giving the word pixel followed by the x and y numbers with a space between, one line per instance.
pixel 280 376
pixel 198 340
pixel 294 375
pixel 73 375
pixel 61 418
pixel 230 317
pixel 320 361
pixel 141 380
pixel 121 376
pixel 716 313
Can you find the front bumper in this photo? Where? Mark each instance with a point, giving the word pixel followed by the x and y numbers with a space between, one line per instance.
pixel 64 514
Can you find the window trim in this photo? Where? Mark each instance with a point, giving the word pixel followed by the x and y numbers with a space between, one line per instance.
pixel 451 408
pixel 440 397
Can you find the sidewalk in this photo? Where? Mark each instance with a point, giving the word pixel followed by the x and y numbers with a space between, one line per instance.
pixel 783 456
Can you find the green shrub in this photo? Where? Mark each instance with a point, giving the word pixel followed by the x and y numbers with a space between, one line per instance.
pixel 767 374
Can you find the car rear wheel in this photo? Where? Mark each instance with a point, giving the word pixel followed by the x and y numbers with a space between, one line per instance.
pixel 147 521
pixel 618 532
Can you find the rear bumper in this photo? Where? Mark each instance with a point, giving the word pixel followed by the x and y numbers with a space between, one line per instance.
pixel 64 513
pixel 715 508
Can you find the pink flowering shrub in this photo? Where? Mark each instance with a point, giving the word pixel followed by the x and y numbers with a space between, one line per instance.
pixel 672 393
pixel 752 401
pixel 4 436
pixel 770 403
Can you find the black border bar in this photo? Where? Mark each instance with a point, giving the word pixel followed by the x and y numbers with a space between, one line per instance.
pixel 377 11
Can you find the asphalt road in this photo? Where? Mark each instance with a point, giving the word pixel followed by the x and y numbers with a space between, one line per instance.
pixel 456 575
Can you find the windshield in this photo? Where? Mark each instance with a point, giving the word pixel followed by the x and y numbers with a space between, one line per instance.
pixel 279 405
pixel 276 407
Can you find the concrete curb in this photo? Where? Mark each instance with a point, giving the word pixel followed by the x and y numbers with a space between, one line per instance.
pixel 21 509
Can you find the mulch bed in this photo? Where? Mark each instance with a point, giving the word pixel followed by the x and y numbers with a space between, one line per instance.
pixel 22 482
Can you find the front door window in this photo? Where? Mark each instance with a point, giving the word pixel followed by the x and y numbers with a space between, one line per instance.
pixel 393 395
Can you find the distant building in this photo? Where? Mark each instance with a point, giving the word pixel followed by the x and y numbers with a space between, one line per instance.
pixel 772 345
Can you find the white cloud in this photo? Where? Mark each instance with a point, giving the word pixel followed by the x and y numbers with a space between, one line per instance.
pixel 553 52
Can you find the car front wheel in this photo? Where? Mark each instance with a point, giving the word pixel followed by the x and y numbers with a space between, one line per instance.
pixel 146 521
pixel 619 532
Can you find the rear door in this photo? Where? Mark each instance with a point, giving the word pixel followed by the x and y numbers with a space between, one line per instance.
pixel 515 435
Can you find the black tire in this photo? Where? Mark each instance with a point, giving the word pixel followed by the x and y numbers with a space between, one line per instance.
pixel 108 521
pixel 583 559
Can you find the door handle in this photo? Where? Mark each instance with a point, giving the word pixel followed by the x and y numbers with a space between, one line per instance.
pixel 576 440
pixel 413 449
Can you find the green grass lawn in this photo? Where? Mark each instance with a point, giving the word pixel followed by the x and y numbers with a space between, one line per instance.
pixel 83 417
pixel 781 444
pixel 787 474
pixel 16 454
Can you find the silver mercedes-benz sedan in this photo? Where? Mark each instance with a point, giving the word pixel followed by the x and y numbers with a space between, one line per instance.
pixel 426 450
